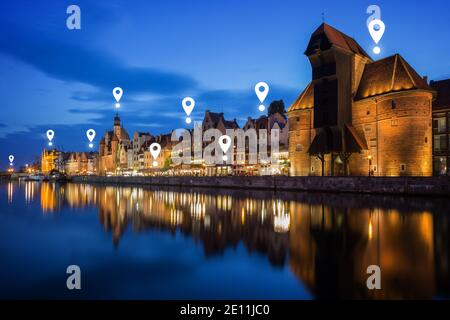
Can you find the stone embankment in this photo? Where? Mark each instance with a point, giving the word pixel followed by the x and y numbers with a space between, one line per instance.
pixel 436 186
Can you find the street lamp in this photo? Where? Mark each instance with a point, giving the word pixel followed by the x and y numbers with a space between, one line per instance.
pixel 370 164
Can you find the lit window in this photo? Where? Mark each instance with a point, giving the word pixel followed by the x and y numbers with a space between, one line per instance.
pixel 439 125
pixel 440 142
pixel 373 143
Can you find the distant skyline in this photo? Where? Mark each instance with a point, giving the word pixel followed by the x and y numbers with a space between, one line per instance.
pixel 161 51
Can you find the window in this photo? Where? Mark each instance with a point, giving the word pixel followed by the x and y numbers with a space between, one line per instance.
pixel 374 168
pixel 439 125
pixel 440 166
pixel 394 123
pixel 373 143
pixel 298 148
pixel 440 142
pixel 393 104
pixel 402 167
pixel 298 119
pixel 312 168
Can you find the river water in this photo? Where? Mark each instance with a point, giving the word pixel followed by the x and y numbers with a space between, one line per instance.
pixel 171 243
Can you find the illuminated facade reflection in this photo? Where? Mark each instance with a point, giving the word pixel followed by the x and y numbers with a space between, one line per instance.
pixel 327 241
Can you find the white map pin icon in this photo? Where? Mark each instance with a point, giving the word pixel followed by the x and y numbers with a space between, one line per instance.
pixel 225 143
pixel 262 90
pixel 90 134
pixel 50 136
pixel 117 93
pixel 155 150
pixel 11 158
pixel 376 34
pixel 188 105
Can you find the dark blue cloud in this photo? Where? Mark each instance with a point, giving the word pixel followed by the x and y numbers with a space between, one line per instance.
pixel 73 63
pixel 237 104
pixel 153 96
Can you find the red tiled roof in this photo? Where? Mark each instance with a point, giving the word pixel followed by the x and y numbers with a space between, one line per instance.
pixel 391 74
pixel 334 37
pixel 305 100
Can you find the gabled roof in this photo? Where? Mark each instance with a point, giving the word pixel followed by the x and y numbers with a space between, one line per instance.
pixel 146 145
pixel 388 75
pixel 215 117
pixel 305 100
pixel 230 124
pixel 141 134
pixel 326 36
pixel 124 134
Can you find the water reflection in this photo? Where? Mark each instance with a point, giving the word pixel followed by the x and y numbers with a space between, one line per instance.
pixel 327 241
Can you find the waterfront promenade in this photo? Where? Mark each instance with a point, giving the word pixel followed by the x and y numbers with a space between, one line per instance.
pixel 431 186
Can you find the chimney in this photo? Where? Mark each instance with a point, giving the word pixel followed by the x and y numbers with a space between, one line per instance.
pixel 426 79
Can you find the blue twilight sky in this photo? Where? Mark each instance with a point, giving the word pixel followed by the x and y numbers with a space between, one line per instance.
pixel 161 51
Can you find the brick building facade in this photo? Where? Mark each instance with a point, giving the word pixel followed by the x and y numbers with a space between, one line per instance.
pixel 359 116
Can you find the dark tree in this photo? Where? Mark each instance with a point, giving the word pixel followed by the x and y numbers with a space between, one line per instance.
pixel 276 106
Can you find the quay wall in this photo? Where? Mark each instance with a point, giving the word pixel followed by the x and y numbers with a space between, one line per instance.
pixel 433 186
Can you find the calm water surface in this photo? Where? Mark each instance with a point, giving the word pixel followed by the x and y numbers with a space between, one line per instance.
pixel 170 243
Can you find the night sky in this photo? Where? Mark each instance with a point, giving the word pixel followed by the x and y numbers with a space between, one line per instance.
pixel 161 51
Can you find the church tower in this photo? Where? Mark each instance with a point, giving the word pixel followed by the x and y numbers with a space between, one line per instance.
pixel 117 129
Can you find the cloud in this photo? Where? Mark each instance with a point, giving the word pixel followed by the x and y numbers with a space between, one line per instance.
pixel 72 63
pixel 152 97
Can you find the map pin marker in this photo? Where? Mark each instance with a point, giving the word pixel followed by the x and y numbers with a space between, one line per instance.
pixel 155 150
pixel 225 143
pixel 188 105
pixel 91 136
pixel 11 159
pixel 376 34
pixel 50 136
pixel 117 93
pixel 262 90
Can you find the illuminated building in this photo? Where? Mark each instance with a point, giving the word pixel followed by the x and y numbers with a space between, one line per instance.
pixel 113 155
pixel 51 160
pixel 214 120
pixel 147 163
pixel 139 138
pixel 276 121
pixel 358 116
pixel 441 127
pixel 70 163
pixel 80 163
